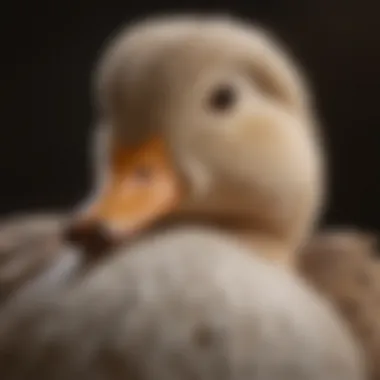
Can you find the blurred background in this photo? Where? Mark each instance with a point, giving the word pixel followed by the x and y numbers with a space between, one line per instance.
pixel 49 50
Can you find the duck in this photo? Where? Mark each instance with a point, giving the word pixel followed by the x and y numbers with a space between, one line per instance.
pixel 343 264
pixel 209 182
pixel 206 119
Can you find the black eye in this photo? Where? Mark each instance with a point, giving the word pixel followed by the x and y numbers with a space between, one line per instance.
pixel 222 98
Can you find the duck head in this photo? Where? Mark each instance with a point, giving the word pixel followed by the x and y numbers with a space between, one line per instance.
pixel 203 118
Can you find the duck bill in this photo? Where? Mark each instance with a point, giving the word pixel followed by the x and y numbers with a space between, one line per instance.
pixel 141 189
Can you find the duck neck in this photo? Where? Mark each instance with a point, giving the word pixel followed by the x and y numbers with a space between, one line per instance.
pixel 268 246
pixel 266 242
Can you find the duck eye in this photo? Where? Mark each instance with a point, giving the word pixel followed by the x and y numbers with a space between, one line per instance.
pixel 222 98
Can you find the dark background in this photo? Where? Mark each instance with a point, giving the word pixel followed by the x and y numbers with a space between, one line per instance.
pixel 49 49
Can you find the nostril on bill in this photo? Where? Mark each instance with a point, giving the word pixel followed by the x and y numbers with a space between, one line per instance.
pixel 94 238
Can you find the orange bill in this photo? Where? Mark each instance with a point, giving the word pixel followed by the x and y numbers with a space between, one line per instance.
pixel 142 187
